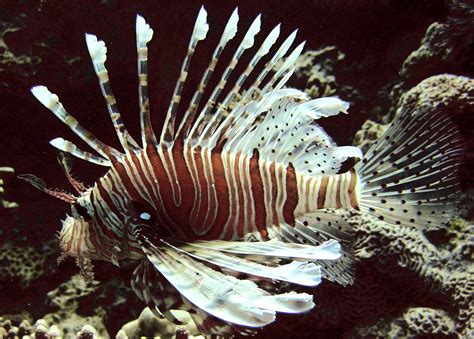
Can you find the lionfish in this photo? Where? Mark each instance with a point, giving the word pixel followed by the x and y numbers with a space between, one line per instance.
pixel 231 206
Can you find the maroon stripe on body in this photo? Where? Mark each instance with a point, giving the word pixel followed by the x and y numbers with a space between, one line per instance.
pixel 258 195
pixel 322 191
pixel 291 195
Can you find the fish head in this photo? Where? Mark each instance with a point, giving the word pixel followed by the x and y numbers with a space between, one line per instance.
pixel 80 236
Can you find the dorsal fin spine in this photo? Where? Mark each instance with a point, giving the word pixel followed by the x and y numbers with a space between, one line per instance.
pixel 262 51
pixel 98 53
pixel 229 33
pixel 144 35
pixel 246 43
pixel 200 30
pixel 238 110
pixel 69 147
pixel 51 101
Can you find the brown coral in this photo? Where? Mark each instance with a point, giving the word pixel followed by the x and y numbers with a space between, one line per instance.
pixel 41 329
pixel 23 264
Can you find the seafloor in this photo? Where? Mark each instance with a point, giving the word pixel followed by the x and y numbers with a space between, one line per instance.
pixel 381 55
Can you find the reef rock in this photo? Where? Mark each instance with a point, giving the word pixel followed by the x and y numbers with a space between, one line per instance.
pixel 66 298
pixel 21 265
pixel 445 48
pixel 150 326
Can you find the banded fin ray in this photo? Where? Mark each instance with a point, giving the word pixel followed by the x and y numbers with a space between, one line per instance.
pixel 206 113
pixel 51 102
pixel 144 35
pixel 239 302
pixel 229 33
pixel 200 30
pixel 221 123
pixel 69 147
pixel 98 54
pixel 223 106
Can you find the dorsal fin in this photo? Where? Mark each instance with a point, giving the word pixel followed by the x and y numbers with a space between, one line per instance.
pixel 98 53
pixel 205 115
pixel 223 124
pixel 228 34
pixel 69 147
pixel 201 28
pixel 144 35
pixel 263 50
pixel 51 101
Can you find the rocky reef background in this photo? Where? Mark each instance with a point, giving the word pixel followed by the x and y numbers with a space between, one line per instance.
pixel 381 55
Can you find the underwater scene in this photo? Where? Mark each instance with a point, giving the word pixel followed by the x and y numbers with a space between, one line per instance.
pixel 215 169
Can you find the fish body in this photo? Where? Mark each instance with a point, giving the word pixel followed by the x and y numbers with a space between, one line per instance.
pixel 242 193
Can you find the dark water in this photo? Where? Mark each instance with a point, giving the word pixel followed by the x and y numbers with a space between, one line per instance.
pixel 43 43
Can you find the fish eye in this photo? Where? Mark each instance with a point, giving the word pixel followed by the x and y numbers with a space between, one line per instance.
pixel 145 216
pixel 144 212
pixel 82 211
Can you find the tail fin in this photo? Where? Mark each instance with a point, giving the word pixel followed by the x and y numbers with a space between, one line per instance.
pixel 410 176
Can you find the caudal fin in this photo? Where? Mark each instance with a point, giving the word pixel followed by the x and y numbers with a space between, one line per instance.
pixel 410 176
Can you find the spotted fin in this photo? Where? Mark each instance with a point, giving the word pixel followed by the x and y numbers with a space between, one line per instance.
pixel 318 227
pixel 410 176
pixel 288 134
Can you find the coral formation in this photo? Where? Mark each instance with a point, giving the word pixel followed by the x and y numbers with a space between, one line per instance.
pixel 20 265
pixel 150 326
pixel 416 321
pixel 445 48
pixel 315 71
pixel 66 299
pixel 368 134
pixel 41 330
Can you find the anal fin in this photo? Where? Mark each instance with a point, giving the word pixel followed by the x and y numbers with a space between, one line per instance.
pixel 318 227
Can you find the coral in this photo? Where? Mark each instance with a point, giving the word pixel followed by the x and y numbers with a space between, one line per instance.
pixel 41 329
pixel 150 326
pixel 316 69
pixel 415 321
pixel 66 298
pixel 445 48
pixel 446 45
pixel 23 264
pixel 368 134
pixel 450 93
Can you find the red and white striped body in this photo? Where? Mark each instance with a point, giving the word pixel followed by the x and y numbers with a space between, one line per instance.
pixel 202 195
